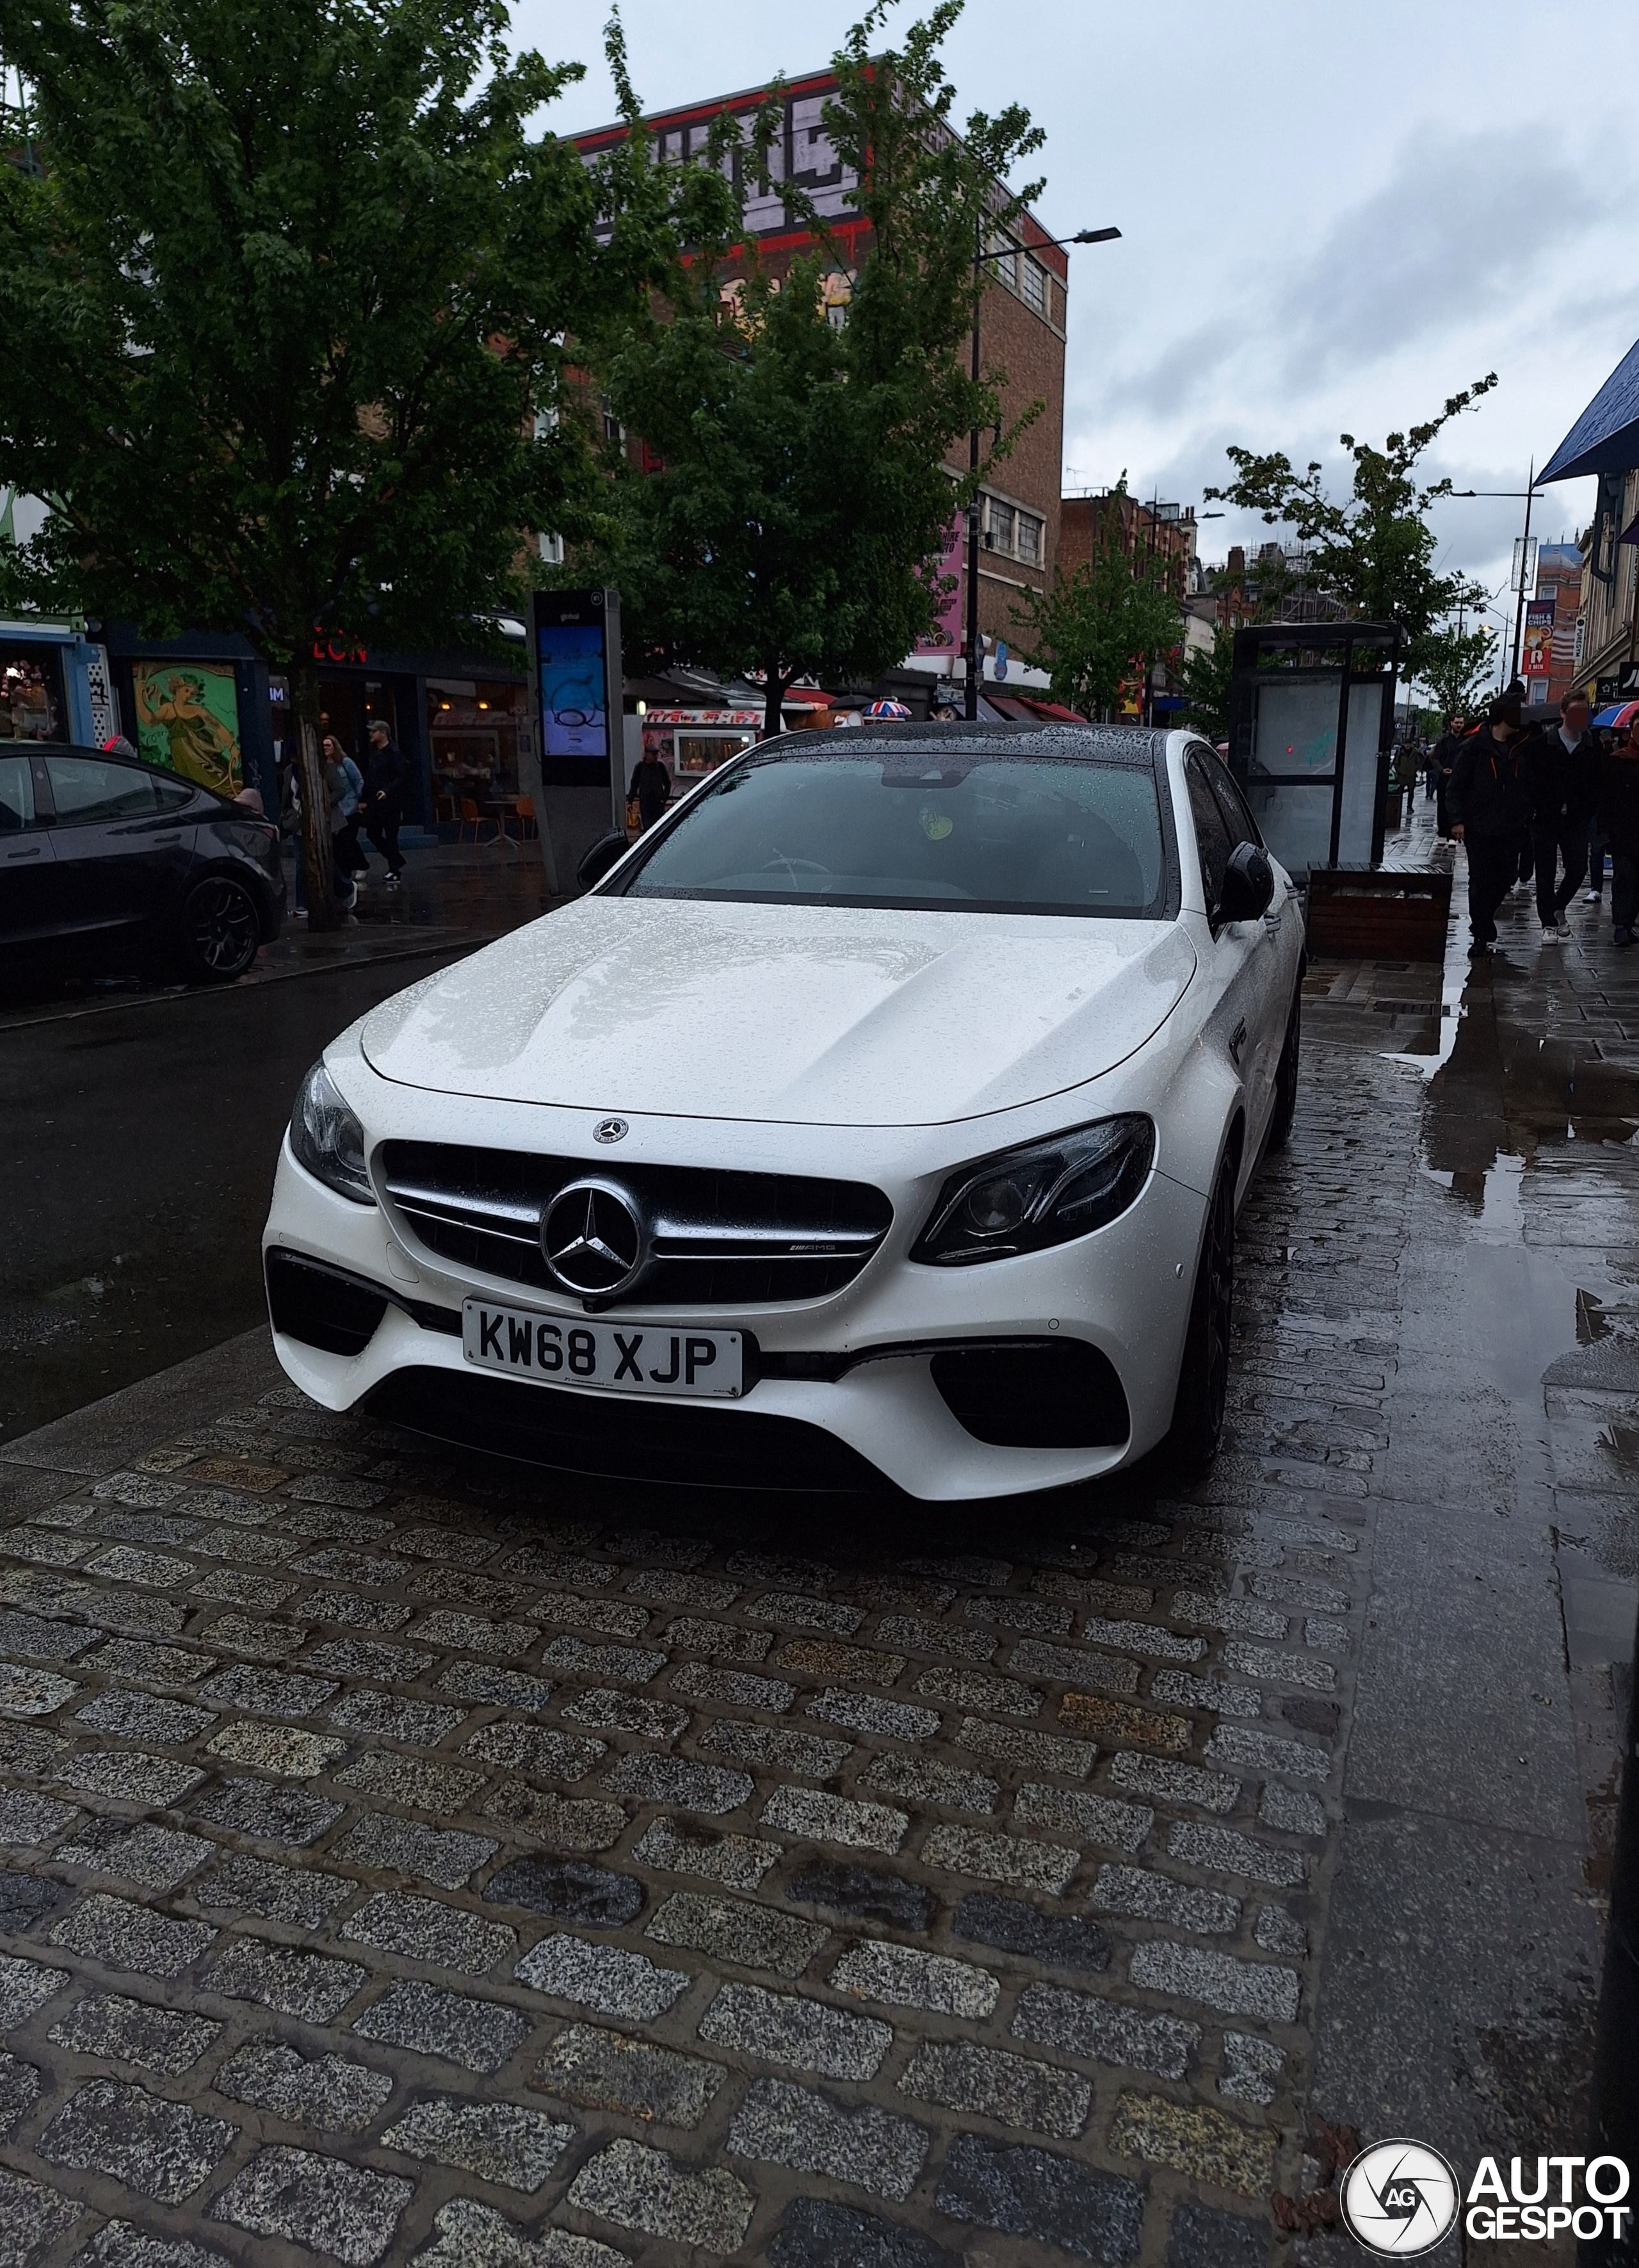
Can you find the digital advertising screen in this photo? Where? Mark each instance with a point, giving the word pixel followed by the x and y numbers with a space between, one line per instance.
pixel 573 689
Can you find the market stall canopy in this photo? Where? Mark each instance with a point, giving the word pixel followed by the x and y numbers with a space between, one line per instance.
pixel 1606 438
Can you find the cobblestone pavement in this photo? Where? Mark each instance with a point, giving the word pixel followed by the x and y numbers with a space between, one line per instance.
pixel 405 1861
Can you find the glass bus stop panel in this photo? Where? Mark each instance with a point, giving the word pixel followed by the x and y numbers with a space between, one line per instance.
pixel 1297 729
pixel 1360 773
pixel 1295 821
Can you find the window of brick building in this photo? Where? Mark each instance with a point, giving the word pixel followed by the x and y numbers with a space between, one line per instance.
pixel 1030 533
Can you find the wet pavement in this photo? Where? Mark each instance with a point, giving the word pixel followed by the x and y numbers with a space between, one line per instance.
pixel 412 1859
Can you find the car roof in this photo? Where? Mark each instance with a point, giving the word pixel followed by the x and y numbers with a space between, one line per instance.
pixel 1140 745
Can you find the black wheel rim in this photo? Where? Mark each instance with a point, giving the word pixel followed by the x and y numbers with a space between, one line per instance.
pixel 224 928
pixel 1220 1297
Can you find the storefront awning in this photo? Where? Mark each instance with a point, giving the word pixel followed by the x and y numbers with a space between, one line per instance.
pixel 1606 438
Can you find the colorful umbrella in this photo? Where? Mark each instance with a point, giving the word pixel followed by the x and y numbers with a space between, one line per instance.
pixel 1620 712
pixel 887 709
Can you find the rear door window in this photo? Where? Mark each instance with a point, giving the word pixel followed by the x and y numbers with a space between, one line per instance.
pixel 1243 827
pixel 87 789
pixel 17 794
pixel 1212 835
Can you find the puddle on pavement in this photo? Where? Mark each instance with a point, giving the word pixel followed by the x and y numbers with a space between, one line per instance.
pixel 1527 1130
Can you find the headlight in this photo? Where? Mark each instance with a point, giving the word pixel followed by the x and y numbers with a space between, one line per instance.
pixel 328 1139
pixel 1046 1194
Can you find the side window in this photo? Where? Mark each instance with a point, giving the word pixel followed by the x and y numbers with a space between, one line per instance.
pixel 1243 826
pixel 87 788
pixel 1211 835
pixel 171 795
pixel 17 794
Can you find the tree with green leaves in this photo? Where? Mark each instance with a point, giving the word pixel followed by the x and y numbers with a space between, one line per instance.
pixel 1374 549
pixel 1102 626
pixel 1206 676
pixel 1454 664
pixel 795 503
pixel 281 302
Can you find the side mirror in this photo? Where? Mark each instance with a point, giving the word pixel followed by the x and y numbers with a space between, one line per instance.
pixel 1248 885
pixel 596 863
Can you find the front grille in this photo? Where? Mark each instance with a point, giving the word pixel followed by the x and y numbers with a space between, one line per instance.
pixel 717 1239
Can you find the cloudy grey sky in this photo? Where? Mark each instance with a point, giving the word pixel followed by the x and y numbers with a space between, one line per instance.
pixel 1332 217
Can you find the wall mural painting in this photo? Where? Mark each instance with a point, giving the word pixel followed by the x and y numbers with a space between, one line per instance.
pixel 187 720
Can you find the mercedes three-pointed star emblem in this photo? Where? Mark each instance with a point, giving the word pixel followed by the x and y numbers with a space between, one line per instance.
pixel 593 1239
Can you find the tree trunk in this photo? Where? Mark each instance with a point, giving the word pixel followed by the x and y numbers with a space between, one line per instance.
pixel 318 866
pixel 778 687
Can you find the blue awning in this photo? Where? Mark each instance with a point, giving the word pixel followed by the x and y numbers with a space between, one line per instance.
pixel 1606 438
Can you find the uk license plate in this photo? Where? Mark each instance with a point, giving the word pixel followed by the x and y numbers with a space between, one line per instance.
pixel 626 1358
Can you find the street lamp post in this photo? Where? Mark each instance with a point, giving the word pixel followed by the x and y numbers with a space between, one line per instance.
pixel 1081 236
pixel 1530 490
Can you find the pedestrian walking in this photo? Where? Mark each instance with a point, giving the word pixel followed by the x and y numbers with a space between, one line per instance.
pixel 382 800
pixel 350 858
pixel 1443 764
pixel 1486 799
pixel 1618 817
pixel 650 788
pixel 1560 769
pixel 342 796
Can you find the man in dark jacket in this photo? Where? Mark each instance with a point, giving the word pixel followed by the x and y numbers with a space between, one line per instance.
pixel 1441 766
pixel 650 788
pixel 1487 801
pixel 382 806
pixel 1619 817
pixel 1560 767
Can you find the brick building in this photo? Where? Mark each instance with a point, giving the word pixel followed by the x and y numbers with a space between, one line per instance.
pixel 1022 325
pixel 1156 531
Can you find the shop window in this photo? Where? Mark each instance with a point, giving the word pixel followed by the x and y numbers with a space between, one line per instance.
pixel 704 752
pixel 31 698
pixel 475 729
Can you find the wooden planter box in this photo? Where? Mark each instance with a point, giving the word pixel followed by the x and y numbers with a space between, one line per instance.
pixel 1378 913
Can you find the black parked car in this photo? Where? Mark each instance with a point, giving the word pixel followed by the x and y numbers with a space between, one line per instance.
pixel 104 861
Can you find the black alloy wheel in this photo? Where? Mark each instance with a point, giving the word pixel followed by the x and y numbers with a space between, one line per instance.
pixel 1286 1077
pixel 221 930
pixel 1197 1426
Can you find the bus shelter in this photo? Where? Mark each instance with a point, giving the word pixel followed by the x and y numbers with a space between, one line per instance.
pixel 1312 730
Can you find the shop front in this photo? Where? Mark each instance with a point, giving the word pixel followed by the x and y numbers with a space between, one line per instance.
pixel 691 742
pixel 53 684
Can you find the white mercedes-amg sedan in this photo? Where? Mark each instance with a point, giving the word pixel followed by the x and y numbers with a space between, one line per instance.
pixel 882 1113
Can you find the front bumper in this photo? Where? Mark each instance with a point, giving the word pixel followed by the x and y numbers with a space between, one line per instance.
pixel 1123 1292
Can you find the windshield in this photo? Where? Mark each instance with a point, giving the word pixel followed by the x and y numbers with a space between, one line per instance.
pixel 966 832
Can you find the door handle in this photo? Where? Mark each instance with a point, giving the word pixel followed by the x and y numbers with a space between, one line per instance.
pixel 175 837
pixel 14 856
